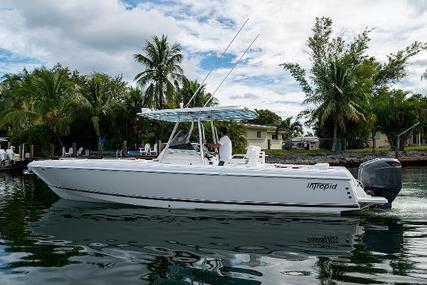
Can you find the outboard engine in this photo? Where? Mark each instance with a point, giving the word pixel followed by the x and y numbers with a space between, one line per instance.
pixel 381 177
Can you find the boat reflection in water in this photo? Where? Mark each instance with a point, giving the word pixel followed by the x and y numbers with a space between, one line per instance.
pixel 214 247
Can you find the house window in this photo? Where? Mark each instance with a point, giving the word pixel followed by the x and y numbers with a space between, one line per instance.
pixel 258 134
pixel 274 137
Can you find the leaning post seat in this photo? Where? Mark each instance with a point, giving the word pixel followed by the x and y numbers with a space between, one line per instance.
pixel 252 155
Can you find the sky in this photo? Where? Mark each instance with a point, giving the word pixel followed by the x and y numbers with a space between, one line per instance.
pixel 103 35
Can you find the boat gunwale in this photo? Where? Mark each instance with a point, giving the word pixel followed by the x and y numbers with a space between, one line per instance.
pixel 161 171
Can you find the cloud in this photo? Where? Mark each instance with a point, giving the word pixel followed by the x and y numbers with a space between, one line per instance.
pixel 245 96
pixel 102 35
pixel 87 35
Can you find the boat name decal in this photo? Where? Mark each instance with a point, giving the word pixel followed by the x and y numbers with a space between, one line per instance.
pixel 321 186
pixel 326 239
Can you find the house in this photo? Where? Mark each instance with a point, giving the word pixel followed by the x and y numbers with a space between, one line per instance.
pixel 416 138
pixel 309 143
pixel 381 140
pixel 266 137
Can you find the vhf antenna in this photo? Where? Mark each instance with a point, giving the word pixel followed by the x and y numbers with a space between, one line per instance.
pixel 213 67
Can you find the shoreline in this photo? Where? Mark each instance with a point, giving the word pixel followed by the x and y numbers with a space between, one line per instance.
pixel 407 158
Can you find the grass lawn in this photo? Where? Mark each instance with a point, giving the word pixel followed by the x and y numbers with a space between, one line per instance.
pixel 282 152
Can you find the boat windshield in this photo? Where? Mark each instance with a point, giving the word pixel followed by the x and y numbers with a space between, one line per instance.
pixel 181 141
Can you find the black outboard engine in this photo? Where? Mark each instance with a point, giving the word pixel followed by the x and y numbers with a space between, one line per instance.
pixel 382 177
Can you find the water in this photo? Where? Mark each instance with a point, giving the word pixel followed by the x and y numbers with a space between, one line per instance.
pixel 44 240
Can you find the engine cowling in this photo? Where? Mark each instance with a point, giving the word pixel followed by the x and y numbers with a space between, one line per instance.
pixel 381 177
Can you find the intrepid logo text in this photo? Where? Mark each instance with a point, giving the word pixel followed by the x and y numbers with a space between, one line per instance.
pixel 321 186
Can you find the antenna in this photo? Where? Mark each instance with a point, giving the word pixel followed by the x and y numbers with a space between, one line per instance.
pixel 231 70
pixel 213 67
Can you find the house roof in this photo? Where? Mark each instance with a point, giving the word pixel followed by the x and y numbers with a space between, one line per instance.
pixel 263 127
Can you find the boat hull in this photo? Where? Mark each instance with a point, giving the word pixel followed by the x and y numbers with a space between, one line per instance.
pixel 213 188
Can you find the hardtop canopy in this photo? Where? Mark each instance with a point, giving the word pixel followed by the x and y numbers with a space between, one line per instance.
pixel 217 113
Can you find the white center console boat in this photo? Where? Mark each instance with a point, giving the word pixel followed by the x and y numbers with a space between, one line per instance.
pixel 187 176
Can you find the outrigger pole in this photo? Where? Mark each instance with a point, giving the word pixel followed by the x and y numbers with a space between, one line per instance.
pixel 213 67
pixel 231 70
pixel 201 135
pixel 198 89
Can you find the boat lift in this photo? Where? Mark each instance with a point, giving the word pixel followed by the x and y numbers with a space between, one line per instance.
pixel 401 134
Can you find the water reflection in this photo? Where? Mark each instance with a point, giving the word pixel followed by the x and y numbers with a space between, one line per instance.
pixel 199 246
pixel 45 240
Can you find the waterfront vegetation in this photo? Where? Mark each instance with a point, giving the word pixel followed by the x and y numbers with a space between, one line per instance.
pixel 349 95
pixel 62 106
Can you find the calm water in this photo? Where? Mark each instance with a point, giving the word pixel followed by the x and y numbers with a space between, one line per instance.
pixel 44 240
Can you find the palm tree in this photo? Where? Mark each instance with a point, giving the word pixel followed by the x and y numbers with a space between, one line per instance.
pixel 132 105
pixel 101 93
pixel 396 110
pixel 187 90
pixel 336 96
pixel 48 98
pixel 293 129
pixel 55 100
pixel 16 106
pixel 162 71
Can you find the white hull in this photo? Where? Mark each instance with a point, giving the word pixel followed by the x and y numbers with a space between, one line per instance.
pixel 236 188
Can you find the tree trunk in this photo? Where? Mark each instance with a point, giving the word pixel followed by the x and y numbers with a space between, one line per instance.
pixel 58 137
pixel 99 147
pixel 99 152
pixel 374 141
pixel 125 148
pixel 160 97
pixel 162 127
pixel 52 150
pixel 334 142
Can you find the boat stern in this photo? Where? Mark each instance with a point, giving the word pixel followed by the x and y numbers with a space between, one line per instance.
pixel 369 201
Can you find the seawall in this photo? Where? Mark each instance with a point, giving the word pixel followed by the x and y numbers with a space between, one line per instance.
pixel 407 158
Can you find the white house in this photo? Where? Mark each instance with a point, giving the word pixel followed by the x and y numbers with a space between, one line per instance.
pixel 266 137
